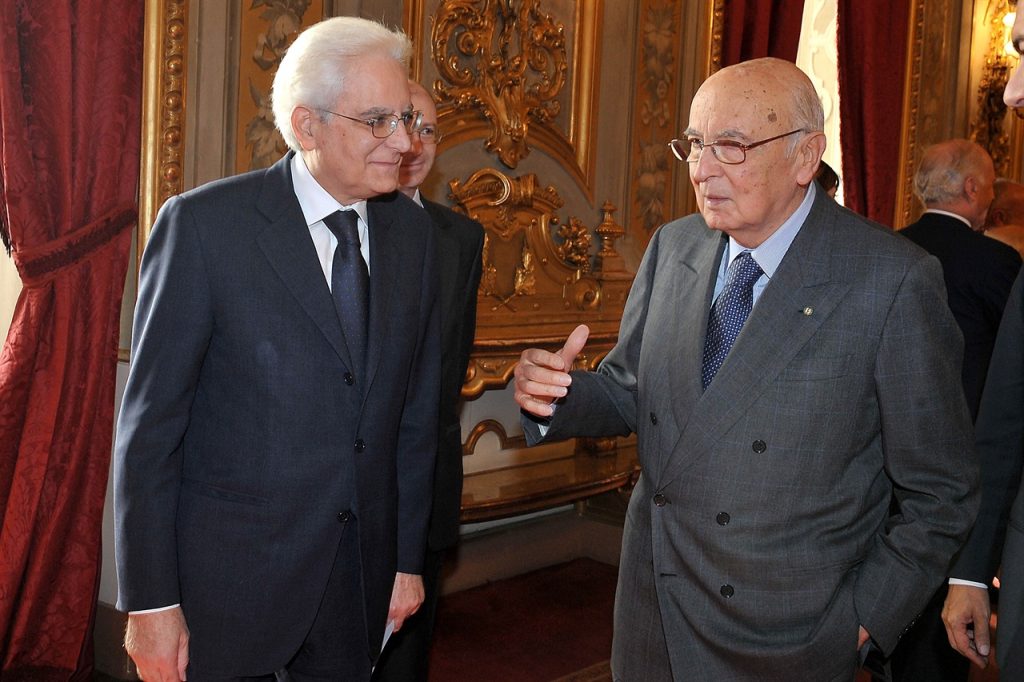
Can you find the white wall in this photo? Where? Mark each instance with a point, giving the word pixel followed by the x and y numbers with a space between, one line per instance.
pixel 10 287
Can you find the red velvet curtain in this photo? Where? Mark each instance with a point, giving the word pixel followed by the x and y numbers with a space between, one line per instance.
pixel 761 28
pixel 872 54
pixel 70 102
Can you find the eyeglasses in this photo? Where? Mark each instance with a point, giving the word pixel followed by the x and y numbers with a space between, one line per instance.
pixel 386 124
pixel 727 151
pixel 429 134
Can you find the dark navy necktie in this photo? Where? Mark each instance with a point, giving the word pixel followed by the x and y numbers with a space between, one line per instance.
pixel 350 283
pixel 729 312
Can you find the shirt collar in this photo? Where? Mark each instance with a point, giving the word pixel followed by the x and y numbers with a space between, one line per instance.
pixel 316 203
pixel 417 198
pixel 962 219
pixel 772 250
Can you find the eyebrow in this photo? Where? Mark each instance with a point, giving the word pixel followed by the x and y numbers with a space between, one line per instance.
pixel 727 134
pixel 383 111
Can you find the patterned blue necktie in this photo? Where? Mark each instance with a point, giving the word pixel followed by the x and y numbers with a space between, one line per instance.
pixel 729 313
pixel 350 283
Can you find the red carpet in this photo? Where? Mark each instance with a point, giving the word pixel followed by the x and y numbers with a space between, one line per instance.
pixel 535 627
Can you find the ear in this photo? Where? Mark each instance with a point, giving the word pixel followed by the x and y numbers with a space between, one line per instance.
pixel 305 125
pixel 808 156
pixel 970 188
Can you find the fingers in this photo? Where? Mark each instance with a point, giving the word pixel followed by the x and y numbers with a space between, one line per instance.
pixel 965 615
pixel 542 377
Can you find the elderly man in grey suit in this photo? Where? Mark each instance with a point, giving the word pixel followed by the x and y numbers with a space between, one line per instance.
pixel 789 368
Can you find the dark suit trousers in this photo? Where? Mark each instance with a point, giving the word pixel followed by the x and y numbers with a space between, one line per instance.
pixel 407 655
pixel 336 648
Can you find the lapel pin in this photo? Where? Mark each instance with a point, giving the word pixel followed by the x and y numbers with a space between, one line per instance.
pixel 808 311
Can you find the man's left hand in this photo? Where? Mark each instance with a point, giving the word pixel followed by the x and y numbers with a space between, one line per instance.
pixel 406 598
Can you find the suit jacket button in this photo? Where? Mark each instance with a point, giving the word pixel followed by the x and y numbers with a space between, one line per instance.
pixel 360 445
pixel 727 591
pixel 660 500
pixel 349 379
pixel 723 519
pixel 344 517
pixel 654 419
pixel 759 446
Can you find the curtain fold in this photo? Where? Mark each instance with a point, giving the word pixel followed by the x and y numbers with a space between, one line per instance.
pixel 761 28
pixel 70 111
pixel 872 52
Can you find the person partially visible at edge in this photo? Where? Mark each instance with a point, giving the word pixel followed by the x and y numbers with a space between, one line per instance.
pixel 954 182
pixel 275 446
pixel 759 543
pixel 459 243
pixel 997 541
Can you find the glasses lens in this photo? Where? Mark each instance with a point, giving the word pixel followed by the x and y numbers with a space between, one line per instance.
pixel 383 126
pixel 729 153
pixel 413 121
pixel 429 135
pixel 680 149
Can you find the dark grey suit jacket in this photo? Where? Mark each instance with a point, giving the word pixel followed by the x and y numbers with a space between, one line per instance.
pixel 998 536
pixel 245 445
pixel 460 241
pixel 758 537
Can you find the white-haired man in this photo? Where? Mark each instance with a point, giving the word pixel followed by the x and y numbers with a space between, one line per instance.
pixel 276 441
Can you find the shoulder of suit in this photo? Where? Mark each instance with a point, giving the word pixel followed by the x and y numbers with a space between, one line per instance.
pixel 446 217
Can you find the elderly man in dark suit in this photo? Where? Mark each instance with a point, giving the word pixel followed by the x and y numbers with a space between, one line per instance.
pixel 764 363
pixel 460 242
pixel 954 182
pixel 276 442
pixel 998 537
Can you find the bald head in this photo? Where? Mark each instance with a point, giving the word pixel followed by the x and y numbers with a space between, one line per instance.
pixel 1008 205
pixel 768 111
pixel 956 176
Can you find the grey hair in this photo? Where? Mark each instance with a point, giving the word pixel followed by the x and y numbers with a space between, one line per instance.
pixel 312 72
pixel 944 168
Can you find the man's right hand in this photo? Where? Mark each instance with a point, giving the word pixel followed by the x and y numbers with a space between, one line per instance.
pixel 542 377
pixel 158 643
pixel 966 605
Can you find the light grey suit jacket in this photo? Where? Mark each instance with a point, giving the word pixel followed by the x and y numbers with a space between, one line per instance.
pixel 759 535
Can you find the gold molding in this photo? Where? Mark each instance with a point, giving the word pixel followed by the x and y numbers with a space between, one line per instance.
pixel 716 28
pixel 464 117
pixel 163 109
pixel 911 97
pixel 495 427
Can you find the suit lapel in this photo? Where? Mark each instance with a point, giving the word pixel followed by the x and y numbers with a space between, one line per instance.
pixel 288 247
pixel 797 301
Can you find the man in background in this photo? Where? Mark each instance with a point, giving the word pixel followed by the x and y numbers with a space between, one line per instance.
pixel 1005 220
pixel 275 446
pixel 998 536
pixel 459 243
pixel 788 368
pixel 955 183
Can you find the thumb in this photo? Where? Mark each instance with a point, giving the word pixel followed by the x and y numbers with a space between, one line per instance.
pixel 573 345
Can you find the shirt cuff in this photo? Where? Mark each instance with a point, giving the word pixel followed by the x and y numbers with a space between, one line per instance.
pixel 162 608
pixel 971 583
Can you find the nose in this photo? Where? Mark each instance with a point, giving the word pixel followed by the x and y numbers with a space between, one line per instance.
pixel 400 140
pixel 705 166
pixel 1013 95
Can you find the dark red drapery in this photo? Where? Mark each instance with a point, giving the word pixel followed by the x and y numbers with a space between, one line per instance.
pixel 70 102
pixel 761 28
pixel 872 54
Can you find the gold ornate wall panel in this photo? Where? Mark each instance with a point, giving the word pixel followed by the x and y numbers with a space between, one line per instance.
pixel 538 282
pixel 656 116
pixel 267 28
pixel 516 74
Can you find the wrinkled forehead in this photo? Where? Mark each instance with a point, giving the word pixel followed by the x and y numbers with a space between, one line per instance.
pixel 738 105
